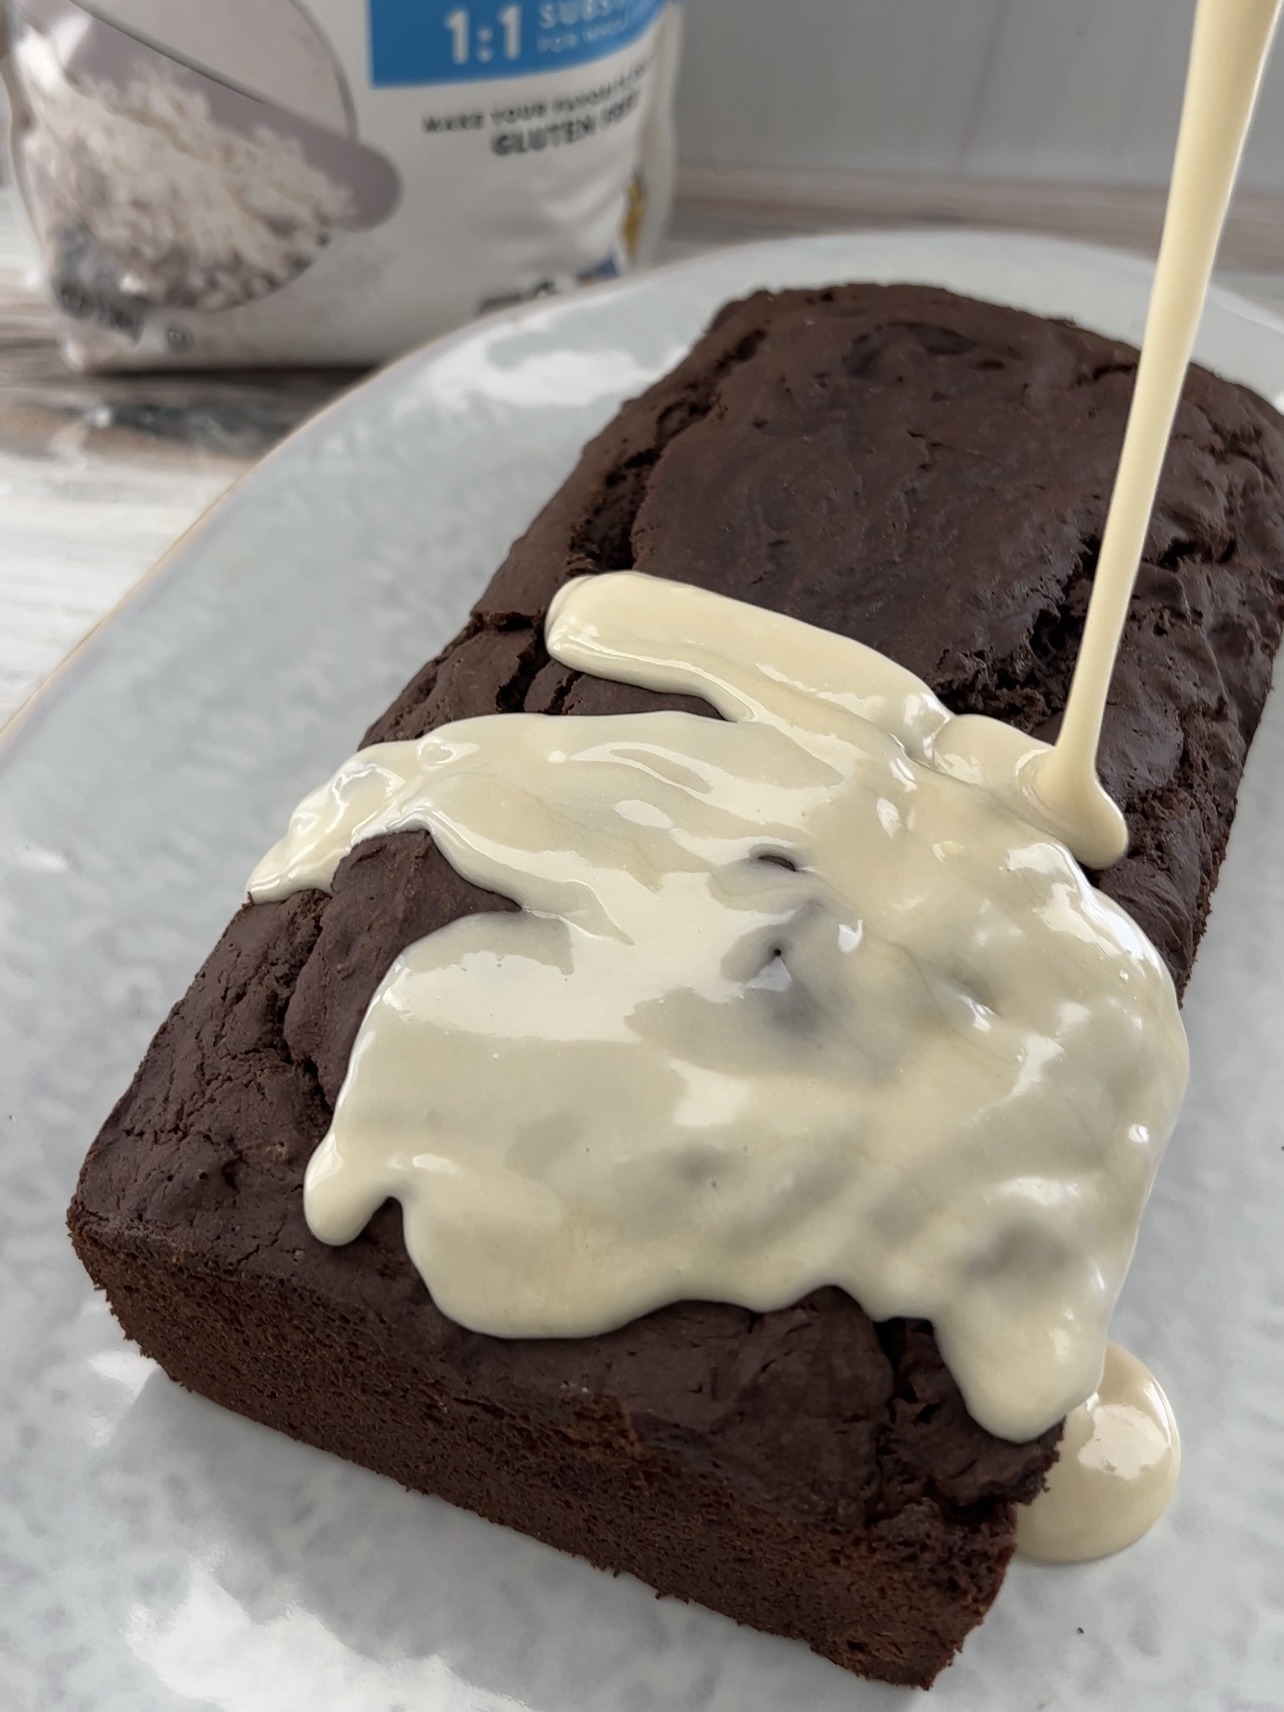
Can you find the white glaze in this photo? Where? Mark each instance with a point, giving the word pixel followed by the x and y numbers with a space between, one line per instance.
pixel 1116 1471
pixel 1228 53
pixel 932 1066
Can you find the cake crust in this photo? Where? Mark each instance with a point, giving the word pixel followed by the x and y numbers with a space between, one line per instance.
pixel 916 470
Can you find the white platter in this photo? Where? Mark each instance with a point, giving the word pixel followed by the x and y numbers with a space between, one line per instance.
pixel 157 1553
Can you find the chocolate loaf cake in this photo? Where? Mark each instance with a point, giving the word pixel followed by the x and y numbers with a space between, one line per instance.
pixel 926 474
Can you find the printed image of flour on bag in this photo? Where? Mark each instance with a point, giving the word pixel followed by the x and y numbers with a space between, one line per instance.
pixel 273 182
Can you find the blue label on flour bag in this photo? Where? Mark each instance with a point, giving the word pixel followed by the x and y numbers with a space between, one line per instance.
pixel 437 41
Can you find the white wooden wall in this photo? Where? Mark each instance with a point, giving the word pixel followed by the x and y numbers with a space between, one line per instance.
pixel 1083 90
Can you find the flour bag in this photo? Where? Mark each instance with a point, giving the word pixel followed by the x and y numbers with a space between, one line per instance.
pixel 330 181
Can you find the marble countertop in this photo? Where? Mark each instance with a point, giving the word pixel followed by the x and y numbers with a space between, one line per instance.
pixel 100 475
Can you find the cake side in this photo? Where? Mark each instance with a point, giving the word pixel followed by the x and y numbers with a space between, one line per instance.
pixel 930 476
pixel 892 1597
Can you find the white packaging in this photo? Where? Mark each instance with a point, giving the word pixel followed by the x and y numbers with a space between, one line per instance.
pixel 216 182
